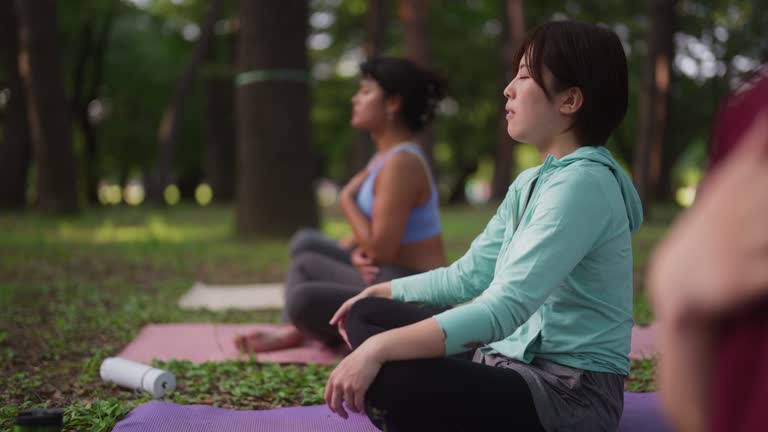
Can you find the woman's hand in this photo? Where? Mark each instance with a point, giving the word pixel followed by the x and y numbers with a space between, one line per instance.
pixel 351 379
pixel 383 290
pixel 353 185
pixel 364 265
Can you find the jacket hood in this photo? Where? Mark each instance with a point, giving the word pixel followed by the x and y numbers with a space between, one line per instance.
pixel 601 155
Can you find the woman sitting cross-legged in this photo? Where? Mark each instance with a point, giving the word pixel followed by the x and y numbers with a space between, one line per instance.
pixel 391 205
pixel 539 334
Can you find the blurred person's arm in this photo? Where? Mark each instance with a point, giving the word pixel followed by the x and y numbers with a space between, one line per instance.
pixel 400 185
pixel 347 242
pixel 713 261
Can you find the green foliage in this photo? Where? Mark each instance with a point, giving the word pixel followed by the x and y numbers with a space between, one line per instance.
pixel 147 52
pixel 96 416
pixel 247 384
pixel 641 376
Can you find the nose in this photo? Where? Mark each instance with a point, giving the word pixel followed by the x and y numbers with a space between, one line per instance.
pixel 509 90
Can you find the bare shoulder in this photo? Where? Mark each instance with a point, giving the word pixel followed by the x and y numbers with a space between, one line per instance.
pixel 404 174
pixel 405 164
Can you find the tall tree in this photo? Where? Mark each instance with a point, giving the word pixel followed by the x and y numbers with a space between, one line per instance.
pixel 16 149
pixel 374 41
pixel 163 173
pixel 219 120
pixel 87 81
pixel 414 15
pixel 49 122
pixel 274 188
pixel 219 136
pixel 512 33
pixel 654 100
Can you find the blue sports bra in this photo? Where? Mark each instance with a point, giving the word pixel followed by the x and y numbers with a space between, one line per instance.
pixel 424 220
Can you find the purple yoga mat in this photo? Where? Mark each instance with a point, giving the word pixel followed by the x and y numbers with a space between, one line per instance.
pixel 641 414
pixel 170 417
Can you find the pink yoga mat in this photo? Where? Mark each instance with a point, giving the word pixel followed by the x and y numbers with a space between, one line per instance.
pixel 215 342
pixel 206 342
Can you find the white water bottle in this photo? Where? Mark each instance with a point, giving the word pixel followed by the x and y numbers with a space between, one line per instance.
pixel 137 376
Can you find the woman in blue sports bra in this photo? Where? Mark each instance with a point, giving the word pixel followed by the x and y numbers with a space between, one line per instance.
pixel 391 206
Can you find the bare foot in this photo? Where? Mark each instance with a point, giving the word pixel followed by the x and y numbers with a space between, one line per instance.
pixel 287 336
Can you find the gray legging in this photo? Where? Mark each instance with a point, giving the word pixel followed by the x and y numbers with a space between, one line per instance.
pixel 312 240
pixel 320 278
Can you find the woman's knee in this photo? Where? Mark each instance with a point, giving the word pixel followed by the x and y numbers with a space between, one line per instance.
pixel 301 240
pixel 359 318
pixel 365 308
pixel 306 266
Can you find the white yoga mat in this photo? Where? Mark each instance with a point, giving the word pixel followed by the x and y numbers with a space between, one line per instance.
pixel 222 297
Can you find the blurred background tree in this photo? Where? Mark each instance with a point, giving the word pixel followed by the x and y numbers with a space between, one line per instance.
pixel 149 96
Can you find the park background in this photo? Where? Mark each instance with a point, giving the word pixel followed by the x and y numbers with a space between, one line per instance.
pixel 149 144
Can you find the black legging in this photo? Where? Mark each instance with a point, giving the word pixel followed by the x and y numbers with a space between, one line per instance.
pixel 446 394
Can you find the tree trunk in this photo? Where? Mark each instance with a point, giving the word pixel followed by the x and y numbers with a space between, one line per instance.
pixel 274 188
pixel 163 174
pixel 91 54
pixel 458 193
pixel 16 149
pixel 49 121
pixel 414 17
pixel 654 101
pixel 513 31
pixel 373 46
pixel 219 160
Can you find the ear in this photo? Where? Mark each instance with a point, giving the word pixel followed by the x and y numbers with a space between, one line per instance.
pixel 572 99
pixel 393 104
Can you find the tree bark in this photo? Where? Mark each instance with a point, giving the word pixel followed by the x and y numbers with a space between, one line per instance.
pixel 219 160
pixel 458 193
pixel 275 195
pixel 164 174
pixel 373 45
pixel 650 147
pixel 414 17
pixel 50 125
pixel 513 31
pixel 16 149
pixel 91 54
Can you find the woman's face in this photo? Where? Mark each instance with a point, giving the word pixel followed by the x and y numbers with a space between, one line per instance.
pixel 369 108
pixel 531 117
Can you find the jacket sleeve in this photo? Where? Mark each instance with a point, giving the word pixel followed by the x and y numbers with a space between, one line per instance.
pixel 466 278
pixel 566 223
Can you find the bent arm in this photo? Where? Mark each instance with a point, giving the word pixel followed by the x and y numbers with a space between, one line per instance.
pixel 564 227
pixel 400 184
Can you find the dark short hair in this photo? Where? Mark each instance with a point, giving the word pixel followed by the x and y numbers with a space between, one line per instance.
pixel 419 88
pixel 586 56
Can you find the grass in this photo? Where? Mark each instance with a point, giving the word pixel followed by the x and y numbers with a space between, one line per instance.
pixel 75 290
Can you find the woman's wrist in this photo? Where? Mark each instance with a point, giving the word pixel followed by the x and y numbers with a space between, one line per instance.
pixel 383 290
pixel 374 349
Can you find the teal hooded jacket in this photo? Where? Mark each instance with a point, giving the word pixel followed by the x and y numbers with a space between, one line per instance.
pixel 550 277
